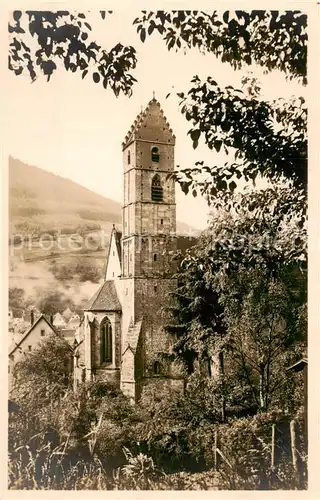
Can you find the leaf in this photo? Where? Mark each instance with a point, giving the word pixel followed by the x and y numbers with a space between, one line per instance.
pixel 217 145
pixel 16 15
pixel 195 134
pixel 143 35
pixel 171 43
pixel 81 15
pixel 96 77
pixel 232 185
pixel 225 16
pixel 84 73
pixel 103 14
pixel 88 26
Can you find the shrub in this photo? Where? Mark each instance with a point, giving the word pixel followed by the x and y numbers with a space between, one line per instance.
pixel 246 447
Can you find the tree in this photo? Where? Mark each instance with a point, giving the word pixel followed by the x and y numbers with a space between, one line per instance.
pixel 64 37
pixel 270 39
pixel 242 293
pixel 51 301
pixel 17 300
pixel 41 380
pixel 267 138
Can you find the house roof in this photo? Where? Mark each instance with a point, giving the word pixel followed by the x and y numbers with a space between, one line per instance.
pixel 139 121
pixel 27 333
pixel 117 236
pixel 299 365
pixel 105 299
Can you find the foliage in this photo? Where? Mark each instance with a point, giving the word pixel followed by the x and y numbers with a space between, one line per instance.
pixel 49 363
pixel 17 300
pixel 242 292
pixel 84 269
pixel 65 37
pixel 246 447
pixel 40 386
pixel 167 417
pixel 140 472
pixel 195 307
pixel 268 139
pixel 271 39
pixel 50 300
pixel 46 470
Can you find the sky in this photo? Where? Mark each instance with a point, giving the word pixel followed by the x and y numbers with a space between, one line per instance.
pixel 74 128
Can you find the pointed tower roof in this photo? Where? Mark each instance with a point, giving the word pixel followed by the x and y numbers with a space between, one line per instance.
pixel 151 124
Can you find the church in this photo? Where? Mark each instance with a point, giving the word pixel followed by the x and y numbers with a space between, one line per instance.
pixel 122 335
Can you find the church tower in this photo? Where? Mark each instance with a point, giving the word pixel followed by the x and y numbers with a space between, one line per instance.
pixel 148 244
pixel 121 338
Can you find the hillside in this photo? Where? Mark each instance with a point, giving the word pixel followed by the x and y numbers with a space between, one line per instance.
pixel 49 266
pixel 43 200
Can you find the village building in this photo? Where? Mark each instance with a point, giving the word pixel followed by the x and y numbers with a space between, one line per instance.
pixel 40 329
pixel 73 322
pixel 67 314
pixel 59 321
pixel 122 337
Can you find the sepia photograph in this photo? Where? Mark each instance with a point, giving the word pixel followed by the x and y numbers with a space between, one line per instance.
pixel 157 242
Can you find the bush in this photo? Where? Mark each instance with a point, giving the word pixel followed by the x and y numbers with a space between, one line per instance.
pixel 168 419
pixel 246 447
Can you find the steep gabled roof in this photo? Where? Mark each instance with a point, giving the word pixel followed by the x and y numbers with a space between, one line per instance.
pixel 105 299
pixel 27 333
pixel 140 121
pixel 117 235
pixel 299 365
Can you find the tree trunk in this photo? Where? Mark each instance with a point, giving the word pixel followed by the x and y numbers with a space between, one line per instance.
pixel 262 396
pixel 223 399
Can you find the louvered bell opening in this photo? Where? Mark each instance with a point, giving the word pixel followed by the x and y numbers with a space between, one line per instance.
pixel 157 193
pixel 155 157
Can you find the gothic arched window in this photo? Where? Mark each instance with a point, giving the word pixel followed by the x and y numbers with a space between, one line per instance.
pixel 156 189
pixel 106 341
pixel 128 157
pixel 155 155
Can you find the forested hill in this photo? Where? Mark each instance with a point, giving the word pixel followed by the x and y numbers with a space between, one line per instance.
pixel 41 198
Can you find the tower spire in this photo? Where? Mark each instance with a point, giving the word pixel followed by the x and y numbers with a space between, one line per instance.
pixel 154 94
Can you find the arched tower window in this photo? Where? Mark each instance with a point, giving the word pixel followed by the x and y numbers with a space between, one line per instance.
pixel 106 341
pixel 128 157
pixel 156 189
pixel 156 368
pixel 155 154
